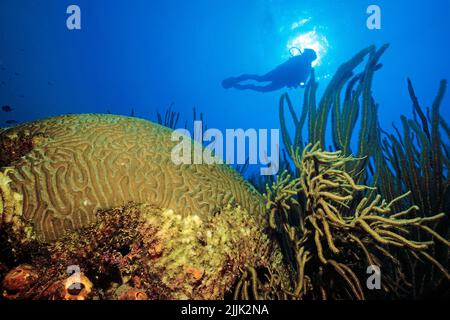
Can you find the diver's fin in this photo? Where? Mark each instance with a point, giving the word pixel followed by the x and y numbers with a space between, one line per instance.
pixel 229 82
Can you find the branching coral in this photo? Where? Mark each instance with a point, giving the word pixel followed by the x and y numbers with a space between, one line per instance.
pixel 417 159
pixel 341 232
pixel 357 103
pixel 413 164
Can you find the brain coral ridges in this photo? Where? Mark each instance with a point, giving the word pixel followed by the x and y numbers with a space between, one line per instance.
pixel 67 168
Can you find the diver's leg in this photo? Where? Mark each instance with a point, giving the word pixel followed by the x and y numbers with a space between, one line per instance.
pixel 233 81
pixel 245 77
pixel 270 87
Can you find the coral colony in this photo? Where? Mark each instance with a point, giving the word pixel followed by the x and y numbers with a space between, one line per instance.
pixel 93 207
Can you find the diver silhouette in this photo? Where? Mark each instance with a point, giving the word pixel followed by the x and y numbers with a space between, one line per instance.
pixel 291 74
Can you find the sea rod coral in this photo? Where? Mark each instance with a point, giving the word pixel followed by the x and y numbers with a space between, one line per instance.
pixel 412 162
pixel 336 232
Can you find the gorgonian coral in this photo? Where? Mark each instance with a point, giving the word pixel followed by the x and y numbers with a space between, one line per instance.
pixel 332 229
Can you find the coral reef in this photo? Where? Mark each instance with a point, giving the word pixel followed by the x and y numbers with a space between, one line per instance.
pixel 19 280
pixel 339 234
pixel 417 160
pixel 357 103
pixel 92 206
pixel 79 164
pixel 17 237
pixel 100 193
pixel 129 293
pixel 411 169
pixel 140 252
pixel 346 105
pixel 144 252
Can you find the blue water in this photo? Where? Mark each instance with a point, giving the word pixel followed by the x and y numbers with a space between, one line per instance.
pixel 148 54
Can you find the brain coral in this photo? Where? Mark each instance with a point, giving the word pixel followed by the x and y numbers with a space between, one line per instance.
pixel 67 168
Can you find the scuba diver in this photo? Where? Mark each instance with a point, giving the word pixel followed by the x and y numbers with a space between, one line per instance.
pixel 291 74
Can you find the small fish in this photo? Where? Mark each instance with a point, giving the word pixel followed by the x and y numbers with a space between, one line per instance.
pixel 50 83
pixel 6 109
pixel 16 74
pixel 10 121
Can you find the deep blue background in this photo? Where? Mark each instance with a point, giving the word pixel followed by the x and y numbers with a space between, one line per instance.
pixel 147 54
